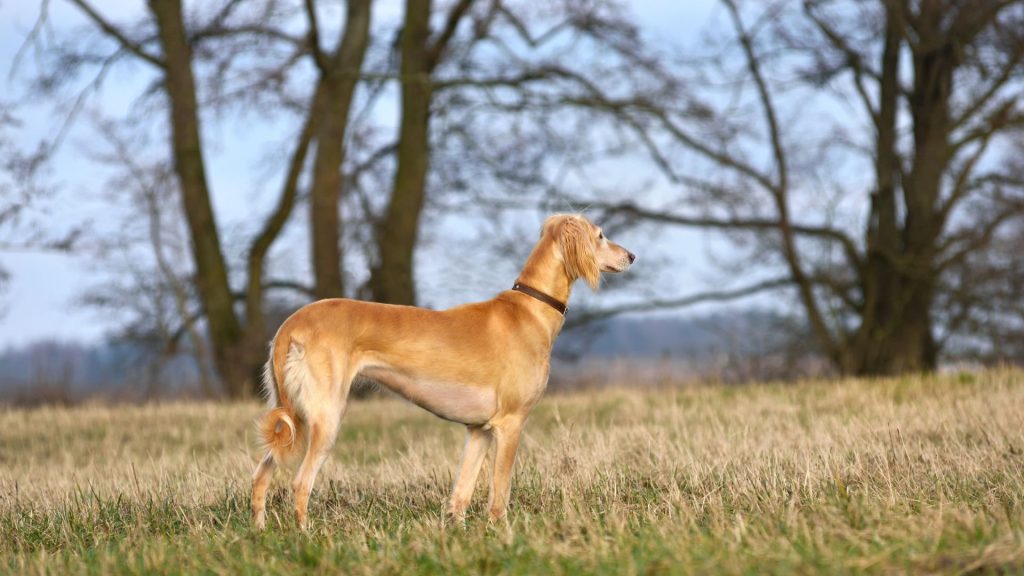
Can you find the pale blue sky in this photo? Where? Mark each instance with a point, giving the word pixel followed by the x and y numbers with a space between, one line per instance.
pixel 40 300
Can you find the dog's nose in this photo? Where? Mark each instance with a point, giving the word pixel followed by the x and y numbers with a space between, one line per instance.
pixel 632 257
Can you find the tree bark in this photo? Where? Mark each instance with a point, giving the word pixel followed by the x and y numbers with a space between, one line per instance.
pixel 339 76
pixel 896 334
pixel 392 280
pixel 881 279
pixel 211 272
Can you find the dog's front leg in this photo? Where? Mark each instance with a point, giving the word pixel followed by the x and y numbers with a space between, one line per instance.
pixel 506 435
pixel 477 439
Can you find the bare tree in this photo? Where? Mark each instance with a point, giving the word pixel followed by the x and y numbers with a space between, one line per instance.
pixel 166 43
pixel 939 84
pixel 25 195
pixel 146 255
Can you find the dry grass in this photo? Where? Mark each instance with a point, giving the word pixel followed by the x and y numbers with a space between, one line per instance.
pixel 908 475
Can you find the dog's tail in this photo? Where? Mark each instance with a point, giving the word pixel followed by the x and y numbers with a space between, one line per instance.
pixel 281 427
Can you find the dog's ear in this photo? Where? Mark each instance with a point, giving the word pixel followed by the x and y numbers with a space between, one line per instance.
pixel 578 252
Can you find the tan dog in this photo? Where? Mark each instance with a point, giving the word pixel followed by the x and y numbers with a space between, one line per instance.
pixel 484 365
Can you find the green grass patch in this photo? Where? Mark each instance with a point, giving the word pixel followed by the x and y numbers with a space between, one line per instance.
pixel 906 475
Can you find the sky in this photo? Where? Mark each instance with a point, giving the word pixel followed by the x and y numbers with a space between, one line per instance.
pixel 41 300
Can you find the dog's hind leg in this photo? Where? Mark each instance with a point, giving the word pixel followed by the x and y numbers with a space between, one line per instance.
pixel 324 418
pixel 260 482
pixel 322 432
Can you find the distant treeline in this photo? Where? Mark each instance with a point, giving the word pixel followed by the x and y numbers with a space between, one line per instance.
pixel 729 346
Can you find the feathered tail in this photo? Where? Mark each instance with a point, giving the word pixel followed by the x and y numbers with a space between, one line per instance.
pixel 280 427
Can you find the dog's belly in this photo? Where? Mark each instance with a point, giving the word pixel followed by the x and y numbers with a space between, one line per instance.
pixel 453 401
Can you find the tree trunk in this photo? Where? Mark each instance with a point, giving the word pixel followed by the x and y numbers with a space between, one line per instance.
pixel 905 343
pixel 896 331
pixel 325 195
pixel 392 280
pixel 211 272
pixel 337 83
pixel 881 281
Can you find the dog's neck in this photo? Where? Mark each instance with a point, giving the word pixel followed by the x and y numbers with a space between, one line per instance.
pixel 545 271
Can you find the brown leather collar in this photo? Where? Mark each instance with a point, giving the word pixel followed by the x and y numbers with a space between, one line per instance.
pixel 549 300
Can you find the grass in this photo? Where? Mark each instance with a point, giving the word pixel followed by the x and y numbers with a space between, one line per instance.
pixel 890 476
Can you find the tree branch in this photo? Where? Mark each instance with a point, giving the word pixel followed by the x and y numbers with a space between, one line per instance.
pixel 221 31
pixel 436 49
pixel 780 190
pixel 980 101
pixel 314 38
pixel 293 286
pixel 969 244
pixel 853 58
pixel 768 107
pixel 588 316
pixel 753 224
pixel 277 219
pixel 961 183
pixel 596 99
pixel 763 224
pixel 117 34
pixel 524 32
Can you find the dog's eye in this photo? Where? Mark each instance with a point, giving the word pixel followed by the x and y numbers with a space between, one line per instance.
pixel 600 236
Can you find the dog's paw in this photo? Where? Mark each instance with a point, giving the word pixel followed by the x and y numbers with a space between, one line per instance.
pixel 302 520
pixel 497 517
pixel 454 519
pixel 259 520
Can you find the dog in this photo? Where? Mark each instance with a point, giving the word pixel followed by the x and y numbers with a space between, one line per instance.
pixel 484 365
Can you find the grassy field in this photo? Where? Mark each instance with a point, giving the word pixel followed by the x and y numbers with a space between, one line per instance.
pixel 906 475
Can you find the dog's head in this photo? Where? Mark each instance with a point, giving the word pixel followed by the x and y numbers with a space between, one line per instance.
pixel 584 249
